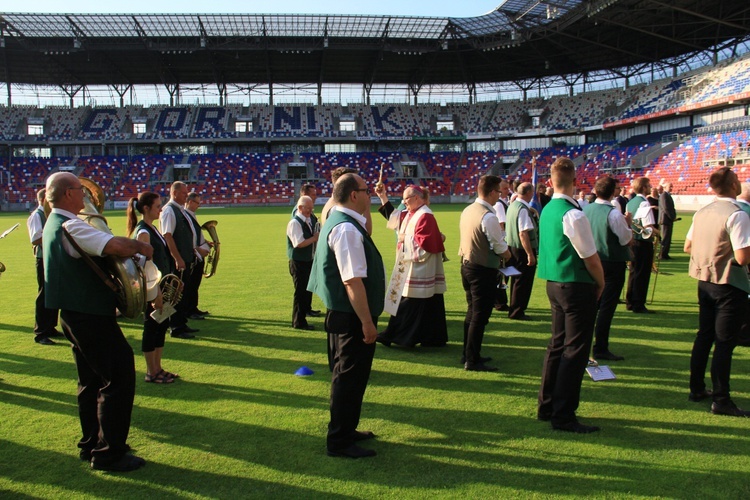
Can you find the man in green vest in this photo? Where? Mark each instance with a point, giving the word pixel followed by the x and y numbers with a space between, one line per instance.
pixel 180 236
pixel 718 242
pixel 523 242
pixel 481 247
pixel 300 246
pixel 104 358
pixel 45 320
pixel 348 275
pixel 569 262
pixel 642 249
pixel 612 235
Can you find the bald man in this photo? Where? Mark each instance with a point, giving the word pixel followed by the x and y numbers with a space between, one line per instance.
pixel 104 359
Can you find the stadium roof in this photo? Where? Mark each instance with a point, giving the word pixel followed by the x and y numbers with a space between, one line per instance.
pixel 520 40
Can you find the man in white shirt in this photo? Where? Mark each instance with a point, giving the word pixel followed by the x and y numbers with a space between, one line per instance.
pixel 104 358
pixel 612 235
pixel 481 248
pixel 718 242
pixel 202 248
pixel 348 275
pixel 180 236
pixel 45 320
pixel 501 207
pixel 643 248
pixel 300 242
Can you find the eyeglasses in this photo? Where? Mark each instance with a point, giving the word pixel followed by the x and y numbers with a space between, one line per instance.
pixel 366 190
pixel 407 198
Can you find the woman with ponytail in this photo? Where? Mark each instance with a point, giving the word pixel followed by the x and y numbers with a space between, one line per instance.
pixel 149 205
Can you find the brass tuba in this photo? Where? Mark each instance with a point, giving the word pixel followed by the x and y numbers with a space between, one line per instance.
pixel 126 272
pixel 212 259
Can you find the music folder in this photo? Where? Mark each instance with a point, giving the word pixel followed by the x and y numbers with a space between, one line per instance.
pixel 601 372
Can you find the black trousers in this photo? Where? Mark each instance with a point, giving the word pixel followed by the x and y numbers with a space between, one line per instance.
pixel 521 286
pixel 153 332
pixel 352 363
pixel 479 283
pixel 666 240
pixel 614 280
pixel 197 277
pixel 106 382
pixel 568 349
pixel 640 274
pixel 302 304
pixel 722 311
pixel 45 320
pixel 183 309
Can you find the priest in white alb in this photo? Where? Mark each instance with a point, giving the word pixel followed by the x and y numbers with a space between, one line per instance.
pixel 414 296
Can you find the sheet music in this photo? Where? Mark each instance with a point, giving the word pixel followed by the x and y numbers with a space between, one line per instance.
pixel 601 372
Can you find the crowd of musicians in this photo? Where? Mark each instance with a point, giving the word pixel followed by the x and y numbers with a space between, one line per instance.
pixel 512 233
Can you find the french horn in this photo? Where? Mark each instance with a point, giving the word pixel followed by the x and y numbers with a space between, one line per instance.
pixel 212 259
pixel 127 273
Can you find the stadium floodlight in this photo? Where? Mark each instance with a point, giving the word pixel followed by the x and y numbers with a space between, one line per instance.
pixel 76 43
pixel 2 42
pixel 325 42
pixel 203 42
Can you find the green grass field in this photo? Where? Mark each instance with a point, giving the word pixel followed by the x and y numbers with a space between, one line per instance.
pixel 240 424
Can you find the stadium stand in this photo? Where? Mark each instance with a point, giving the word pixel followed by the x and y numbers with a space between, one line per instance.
pixel 255 177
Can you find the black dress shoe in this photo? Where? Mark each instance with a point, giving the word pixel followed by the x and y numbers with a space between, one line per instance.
pixel 729 409
pixel 643 310
pixel 201 313
pixel 306 327
pixel 479 367
pixel 127 463
pixel 352 451
pixel 196 316
pixel 503 307
pixel 44 340
pixel 700 396
pixel 521 317
pixel 382 340
pixel 575 426
pixel 544 416
pixel 182 334
pixel 313 314
pixel 608 356
pixel 362 435
pixel 55 333
pixel 481 359
pixel 85 455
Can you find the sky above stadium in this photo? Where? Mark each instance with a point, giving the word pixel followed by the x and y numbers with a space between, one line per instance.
pixel 439 8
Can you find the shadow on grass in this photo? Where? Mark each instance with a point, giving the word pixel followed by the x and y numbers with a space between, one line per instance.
pixel 154 480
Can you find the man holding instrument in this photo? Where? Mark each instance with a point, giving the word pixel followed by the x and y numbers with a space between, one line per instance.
pixel 643 247
pixel 180 236
pixel 104 359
